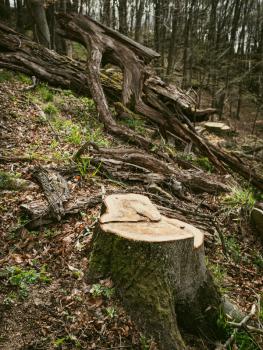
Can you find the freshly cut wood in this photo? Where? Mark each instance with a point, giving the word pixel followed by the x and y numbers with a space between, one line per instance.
pixel 130 207
pixel 217 127
pixel 158 267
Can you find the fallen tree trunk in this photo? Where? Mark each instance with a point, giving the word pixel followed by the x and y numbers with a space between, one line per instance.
pixel 131 164
pixel 108 46
pixel 40 212
pixel 158 267
pixel 21 54
pixel 161 103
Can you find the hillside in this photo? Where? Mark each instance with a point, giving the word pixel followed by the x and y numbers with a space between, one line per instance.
pixel 46 298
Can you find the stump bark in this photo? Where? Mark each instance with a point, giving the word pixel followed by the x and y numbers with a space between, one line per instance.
pixel 158 267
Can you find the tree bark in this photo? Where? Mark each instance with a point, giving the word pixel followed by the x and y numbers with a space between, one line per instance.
pixel 123 25
pixel 107 13
pixel 55 189
pixel 138 24
pixel 41 29
pixel 158 267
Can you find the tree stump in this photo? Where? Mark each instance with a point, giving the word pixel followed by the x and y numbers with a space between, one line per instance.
pixel 158 267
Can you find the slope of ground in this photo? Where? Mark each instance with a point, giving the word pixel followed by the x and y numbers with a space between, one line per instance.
pixel 46 299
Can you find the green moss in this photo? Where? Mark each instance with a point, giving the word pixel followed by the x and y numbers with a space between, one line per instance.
pixel 142 276
pixel 154 300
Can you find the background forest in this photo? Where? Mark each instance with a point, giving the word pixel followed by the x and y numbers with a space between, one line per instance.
pixel 206 45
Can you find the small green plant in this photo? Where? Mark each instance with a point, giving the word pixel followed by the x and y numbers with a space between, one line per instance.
pixel 74 135
pixel 69 339
pixel 144 343
pixel 258 260
pixel 6 181
pixel 98 290
pixel 10 299
pixel 54 144
pixel 51 109
pixel 83 166
pixel 22 278
pixel 111 312
pixel 242 339
pixel 61 155
pixel 6 75
pixel 45 94
pixel 218 272
pixel 96 135
pixel 240 197
pixel 233 248
pixel 49 233
pixel 25 79
pixel 135 123
pixel 204 163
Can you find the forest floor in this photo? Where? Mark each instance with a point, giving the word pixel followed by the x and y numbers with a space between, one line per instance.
pixel 46 298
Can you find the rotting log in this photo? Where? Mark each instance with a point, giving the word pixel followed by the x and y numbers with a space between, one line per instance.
pixel 158 267
pixel 40 212
pixel 55 189
pixel 136 165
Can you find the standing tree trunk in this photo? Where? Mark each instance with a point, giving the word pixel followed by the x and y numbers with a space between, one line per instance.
pixel 106 18
pixel 123 26
pixel 5 9
pixel 157 25
pixel 158 267
pixel 20 19
pixel 138 24
pixel 41 29
pixel 187 45
pixel 171 52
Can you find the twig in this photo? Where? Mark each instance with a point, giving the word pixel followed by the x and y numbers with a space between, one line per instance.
pixel 221 236
pixel 250 328
pixel 239 325
pixel 32 86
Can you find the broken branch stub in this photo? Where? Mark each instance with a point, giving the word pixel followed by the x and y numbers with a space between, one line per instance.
pixel 158 267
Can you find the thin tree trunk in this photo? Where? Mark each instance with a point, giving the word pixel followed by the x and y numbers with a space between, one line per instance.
pixel 107 13
pixel 138 25
pixel 172 46
pixel 38 15
pixel 123 26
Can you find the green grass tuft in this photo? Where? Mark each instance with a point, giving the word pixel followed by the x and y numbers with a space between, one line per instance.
pixel 240 197
pixel 45 94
